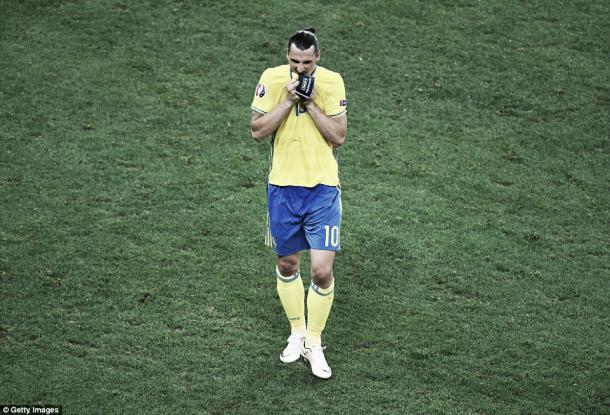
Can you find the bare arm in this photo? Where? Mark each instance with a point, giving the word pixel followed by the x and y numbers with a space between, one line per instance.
pixel 333 129
pixel 263 125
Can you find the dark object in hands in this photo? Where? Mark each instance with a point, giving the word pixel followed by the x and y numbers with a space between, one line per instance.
pixel 305 87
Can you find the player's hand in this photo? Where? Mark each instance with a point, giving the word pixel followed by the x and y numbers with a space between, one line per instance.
pixel 308 103
pixel 312 96
pixel 291 86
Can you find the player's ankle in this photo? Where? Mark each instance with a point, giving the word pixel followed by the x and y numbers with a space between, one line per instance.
pixel 300 331
pixel 312 341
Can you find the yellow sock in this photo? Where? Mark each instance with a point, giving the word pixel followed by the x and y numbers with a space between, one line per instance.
pixel 292 295
pixel 319 303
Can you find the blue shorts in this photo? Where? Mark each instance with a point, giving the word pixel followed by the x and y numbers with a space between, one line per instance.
pixel 303 218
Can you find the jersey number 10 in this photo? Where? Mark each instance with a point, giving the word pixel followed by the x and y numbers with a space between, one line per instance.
pixel 332 236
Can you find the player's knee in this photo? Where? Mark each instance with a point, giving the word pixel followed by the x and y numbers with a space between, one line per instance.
pixel 322 275
pixel 287 266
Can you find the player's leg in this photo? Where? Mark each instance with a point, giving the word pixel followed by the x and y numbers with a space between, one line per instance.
pixel 322 228
pixel 291 292
pixel 319 302
pixel 289 240
pixel 320 296
pixel 322 231
pixel 292 296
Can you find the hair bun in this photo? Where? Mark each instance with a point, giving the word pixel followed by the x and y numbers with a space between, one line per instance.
pixel 310 29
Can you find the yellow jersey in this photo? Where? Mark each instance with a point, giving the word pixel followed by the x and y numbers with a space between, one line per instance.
pixel 300 156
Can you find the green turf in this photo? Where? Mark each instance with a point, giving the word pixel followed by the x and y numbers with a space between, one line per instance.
pixel 474 276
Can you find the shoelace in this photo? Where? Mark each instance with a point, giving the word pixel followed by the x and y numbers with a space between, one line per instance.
pixel 318 351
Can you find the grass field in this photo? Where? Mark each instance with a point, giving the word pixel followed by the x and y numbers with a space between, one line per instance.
pixel 474 276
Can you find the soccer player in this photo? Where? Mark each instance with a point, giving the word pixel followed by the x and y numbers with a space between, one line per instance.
pixel 304 199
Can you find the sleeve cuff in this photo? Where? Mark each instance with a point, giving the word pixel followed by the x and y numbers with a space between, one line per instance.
pixel 258 110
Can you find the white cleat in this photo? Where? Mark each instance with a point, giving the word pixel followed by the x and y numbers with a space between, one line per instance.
pixel 315 356
pixel 292 352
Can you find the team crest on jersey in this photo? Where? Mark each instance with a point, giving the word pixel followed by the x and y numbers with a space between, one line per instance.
pixel 260 90
pixel 343 103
